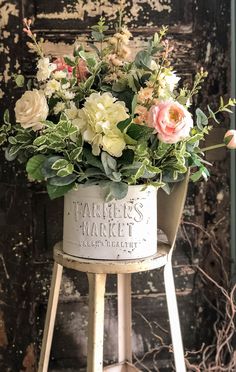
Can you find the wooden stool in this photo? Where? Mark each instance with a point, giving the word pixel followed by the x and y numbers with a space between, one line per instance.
pixel 96 270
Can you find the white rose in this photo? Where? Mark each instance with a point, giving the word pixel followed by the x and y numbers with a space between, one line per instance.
pixel 31 109
pixel 45 68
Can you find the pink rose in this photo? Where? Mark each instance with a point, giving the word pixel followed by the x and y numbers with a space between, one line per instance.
pixel 81 68
pixel 171 121
pixel 62 65
pixel 232 142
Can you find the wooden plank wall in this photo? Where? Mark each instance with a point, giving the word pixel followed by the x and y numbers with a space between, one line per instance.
pixel 30 224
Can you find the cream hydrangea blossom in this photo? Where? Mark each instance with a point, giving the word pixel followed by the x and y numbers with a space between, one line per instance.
pixel 98 121
pixel 45 68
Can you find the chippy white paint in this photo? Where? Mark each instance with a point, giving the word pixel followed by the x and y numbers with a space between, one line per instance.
pixel 79 11
pixel 6 73
pixel 16 38
pixel 57 49
pixel 94 8
pixel 5 11
pixel 117 230
pixel 137 9
pixel 6 34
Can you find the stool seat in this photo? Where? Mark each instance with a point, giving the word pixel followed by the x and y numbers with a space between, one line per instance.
pixel 112 267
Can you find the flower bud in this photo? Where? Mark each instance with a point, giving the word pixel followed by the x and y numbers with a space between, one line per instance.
pixel 230 139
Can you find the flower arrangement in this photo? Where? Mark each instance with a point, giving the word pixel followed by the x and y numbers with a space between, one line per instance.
pixel 101 116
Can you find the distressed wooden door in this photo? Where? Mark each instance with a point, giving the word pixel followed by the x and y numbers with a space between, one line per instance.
pixel 30 224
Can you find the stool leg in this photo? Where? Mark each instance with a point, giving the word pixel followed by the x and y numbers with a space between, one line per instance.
pixel 124 318
pixel 50 317
pixel 97 283
pixel 174 318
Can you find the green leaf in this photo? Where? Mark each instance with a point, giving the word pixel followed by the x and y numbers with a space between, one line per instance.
pixel 108 162
pixel 49 124
pixel 143 59
pixel 58 191
pixel 60 163
pixel 40 141
pixel 3 138
pixel 92 159
pixel 89 82
pixel 228 139
pixel 97 36
pixel 196 176
pixel 34 165
pixel 13 150
pixel 69 62
pixel 137 131
pixel 126 158
pixel 152 169
pixel 6 117
pixel 23 138
pixel 134 104
pixel 115 176
pixel 93 173
pixel 117 190
pixel 122 125
pixel 76 153
pixel 62 181
pixel 202 119
pixel 66 171
pixel 212 114
pixel 119 86
pixel 12 140
pixel 47 170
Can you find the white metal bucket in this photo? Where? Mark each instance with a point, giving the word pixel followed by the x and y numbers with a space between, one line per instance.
pixel 115 230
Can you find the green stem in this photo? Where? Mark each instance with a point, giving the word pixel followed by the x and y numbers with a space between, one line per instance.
pixel 213 147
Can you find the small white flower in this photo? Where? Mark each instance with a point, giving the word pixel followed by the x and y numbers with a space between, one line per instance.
pixel 65 86
pixel 171 80
pixel 68 95
pixel 58 75
pixel 72 112
pixel 52 86
pixel 45 68
pixel 153 65
pixel 59 107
